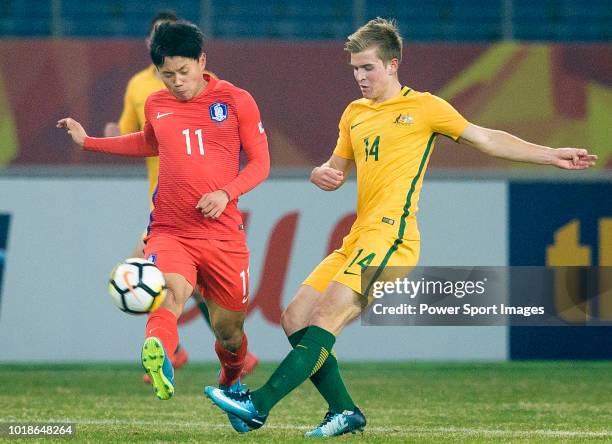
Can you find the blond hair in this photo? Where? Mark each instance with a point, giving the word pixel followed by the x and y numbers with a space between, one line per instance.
pixel 381 33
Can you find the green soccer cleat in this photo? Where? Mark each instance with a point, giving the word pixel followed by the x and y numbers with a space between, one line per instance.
pixel 158 366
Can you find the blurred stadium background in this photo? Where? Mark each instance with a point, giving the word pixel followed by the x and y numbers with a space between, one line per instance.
pixel 539 69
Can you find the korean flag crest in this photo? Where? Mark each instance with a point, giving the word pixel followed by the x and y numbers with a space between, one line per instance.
pixel 218 111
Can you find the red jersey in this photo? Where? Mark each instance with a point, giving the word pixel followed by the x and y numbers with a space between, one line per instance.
pixel 198 142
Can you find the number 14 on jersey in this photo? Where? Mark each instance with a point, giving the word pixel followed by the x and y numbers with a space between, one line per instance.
pixel 371 151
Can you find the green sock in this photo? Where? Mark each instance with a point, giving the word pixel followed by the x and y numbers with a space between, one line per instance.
pixel 328 380
pixel 202 306
pixel 302 362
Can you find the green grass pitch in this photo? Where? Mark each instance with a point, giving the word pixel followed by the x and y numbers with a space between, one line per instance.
pixel 404 402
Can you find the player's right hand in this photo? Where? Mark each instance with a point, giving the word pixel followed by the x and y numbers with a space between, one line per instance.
pixel 74 128
pixel 327 178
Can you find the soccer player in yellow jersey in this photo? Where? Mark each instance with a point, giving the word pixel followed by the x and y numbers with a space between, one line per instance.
pixel 387 136
pixel 139 87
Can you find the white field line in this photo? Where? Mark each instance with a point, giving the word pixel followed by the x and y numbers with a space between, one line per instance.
pixel 376 430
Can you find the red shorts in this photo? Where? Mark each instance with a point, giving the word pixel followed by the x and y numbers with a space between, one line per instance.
pixel 218 267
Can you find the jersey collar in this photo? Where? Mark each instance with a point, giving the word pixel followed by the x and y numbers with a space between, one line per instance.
pixel 404 91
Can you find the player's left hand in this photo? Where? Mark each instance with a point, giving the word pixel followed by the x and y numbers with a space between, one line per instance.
pixel 213 204
pixel 573 158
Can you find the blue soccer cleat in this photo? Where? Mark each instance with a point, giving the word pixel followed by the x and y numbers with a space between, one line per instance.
pixel 335 424
pixel 238 424
pixel 237 403
pixel 158 366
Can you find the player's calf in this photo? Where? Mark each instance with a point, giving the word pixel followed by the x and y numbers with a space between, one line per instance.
pixel 232 362
pixel 250 364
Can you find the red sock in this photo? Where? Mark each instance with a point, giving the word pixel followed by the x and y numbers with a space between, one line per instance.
pixel 162 325
pixel 231 362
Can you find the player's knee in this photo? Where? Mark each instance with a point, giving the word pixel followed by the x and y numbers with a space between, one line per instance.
pixel 229 335
pixel 172 303
pixel 286 321
pixel 291 321
pixel 232 342
pixel 176 297
pixel 318 315
pixel 326 318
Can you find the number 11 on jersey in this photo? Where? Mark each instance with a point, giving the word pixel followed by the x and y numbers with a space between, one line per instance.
pixel 198 133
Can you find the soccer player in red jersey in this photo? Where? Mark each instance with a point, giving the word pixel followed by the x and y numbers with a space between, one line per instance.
pixel 142 85
pixel 196 235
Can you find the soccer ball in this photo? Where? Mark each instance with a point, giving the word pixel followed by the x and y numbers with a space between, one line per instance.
pixel 137 286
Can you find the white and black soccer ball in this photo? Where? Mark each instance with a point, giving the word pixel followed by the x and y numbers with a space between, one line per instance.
pixel 137 286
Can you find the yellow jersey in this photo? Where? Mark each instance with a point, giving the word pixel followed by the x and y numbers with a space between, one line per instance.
pixel 391 143
pixel 140 86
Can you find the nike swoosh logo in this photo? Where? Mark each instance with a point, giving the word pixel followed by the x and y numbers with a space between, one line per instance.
pixel 233 403
pixel 126 276
pixel 238 407
pixel 245 299
pixel 160 115
pixel 350 272
pixel 357 124
pixel 303 346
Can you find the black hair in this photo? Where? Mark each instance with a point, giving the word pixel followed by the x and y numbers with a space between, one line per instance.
pixel 163 15
pixel 176 39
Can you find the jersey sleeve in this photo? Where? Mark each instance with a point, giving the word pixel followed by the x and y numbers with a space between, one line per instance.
pixel 147 129
pixel 442 117
pixel 139 144
pixel 128 122
pixel 344 146
pixel 255 145
pixel 133 144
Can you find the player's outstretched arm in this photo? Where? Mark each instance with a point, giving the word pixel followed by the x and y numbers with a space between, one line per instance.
pixel 506 146
pixel 140 144
pixel 74 129
pixel 332 174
